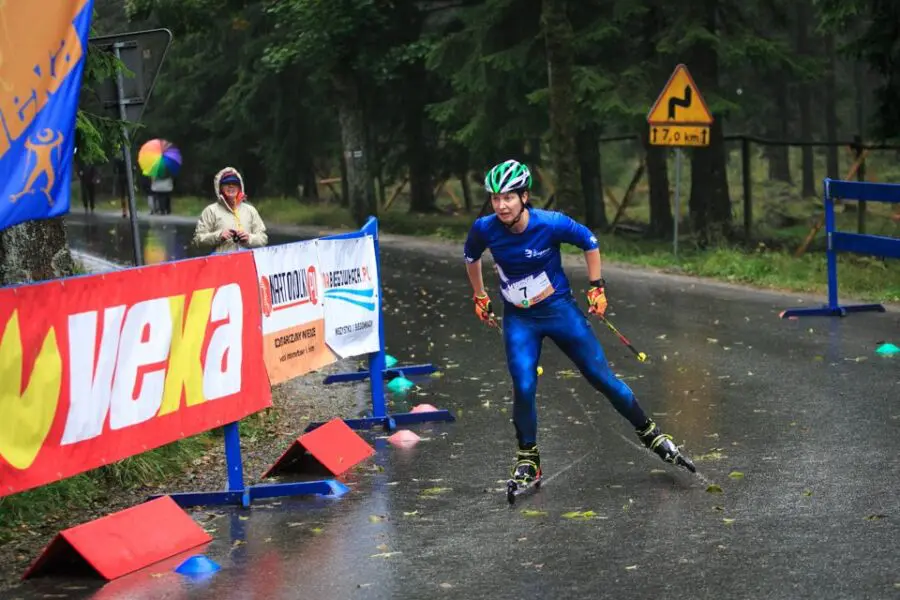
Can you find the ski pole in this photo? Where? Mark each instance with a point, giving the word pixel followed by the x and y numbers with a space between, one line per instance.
pixel 640 355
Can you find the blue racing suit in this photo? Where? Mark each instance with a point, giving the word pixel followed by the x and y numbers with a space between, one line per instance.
pixel 538 303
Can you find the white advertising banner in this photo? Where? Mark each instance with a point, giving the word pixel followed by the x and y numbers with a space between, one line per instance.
pixel 293 317
pixel 350 282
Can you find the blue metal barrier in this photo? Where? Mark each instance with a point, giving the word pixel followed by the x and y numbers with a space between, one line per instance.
pixel 239 493
pixel 377 366
pixel 839 241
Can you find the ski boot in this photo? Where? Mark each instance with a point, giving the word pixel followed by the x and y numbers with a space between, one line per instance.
pixel 525 474
pixel 663 446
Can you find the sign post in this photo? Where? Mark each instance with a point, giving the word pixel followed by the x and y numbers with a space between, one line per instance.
pixel 142 53
pixel 679 118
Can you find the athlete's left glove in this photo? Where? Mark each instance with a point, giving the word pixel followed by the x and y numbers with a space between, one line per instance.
pixel 484 309
pixel 596 297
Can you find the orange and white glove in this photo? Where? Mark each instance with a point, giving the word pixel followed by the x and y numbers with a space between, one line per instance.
pixel 596 297
pixel 484 309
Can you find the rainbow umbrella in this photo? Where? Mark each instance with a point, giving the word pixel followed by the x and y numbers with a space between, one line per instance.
pixel 159 158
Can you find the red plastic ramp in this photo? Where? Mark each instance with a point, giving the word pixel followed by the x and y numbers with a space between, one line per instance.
pixel 121 543
pixel 331 449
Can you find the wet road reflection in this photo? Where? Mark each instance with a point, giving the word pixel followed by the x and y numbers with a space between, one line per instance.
pixel 803 409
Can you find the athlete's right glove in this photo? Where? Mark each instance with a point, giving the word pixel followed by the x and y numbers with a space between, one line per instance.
pixel 596 297
pixel 484 309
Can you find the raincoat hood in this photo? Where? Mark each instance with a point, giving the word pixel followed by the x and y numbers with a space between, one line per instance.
pixel 217 184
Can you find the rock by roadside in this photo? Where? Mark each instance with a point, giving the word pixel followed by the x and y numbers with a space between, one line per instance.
pixel 296 403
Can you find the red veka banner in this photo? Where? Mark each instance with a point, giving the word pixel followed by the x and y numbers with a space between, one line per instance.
pixel 96 369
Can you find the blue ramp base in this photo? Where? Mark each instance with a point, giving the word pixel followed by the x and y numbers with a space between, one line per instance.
pixel 328 487
pixel 391 373
pixel 390 422
pixel 831 311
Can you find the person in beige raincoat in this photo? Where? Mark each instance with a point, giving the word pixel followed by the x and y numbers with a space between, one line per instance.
pixel 231 223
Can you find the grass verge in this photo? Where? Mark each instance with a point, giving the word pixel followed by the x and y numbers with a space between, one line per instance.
pixel 56 502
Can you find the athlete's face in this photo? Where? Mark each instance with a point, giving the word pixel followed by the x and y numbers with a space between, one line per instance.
pixel 507 206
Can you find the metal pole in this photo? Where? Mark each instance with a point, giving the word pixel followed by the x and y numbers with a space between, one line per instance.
pixel 126 151
pixel 677 198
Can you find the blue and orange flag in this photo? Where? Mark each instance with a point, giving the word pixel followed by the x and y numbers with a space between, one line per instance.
pixel 43 45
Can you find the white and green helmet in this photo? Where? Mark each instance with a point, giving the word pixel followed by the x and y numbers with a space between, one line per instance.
pixel 508 176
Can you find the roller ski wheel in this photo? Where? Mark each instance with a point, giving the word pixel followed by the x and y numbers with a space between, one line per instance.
pixel 526 474
pixel 515 489
pixel 663 446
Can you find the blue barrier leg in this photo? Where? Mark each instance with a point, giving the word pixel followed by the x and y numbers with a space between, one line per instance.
pixel 237 493
pixel 329 487
pixel 404 371
pixel 833 308
pixel 377 371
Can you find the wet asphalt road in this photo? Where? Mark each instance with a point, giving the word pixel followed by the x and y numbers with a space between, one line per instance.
pixel 804 409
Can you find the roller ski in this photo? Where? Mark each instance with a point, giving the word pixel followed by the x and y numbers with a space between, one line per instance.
pixel 662 444
pixel 526 474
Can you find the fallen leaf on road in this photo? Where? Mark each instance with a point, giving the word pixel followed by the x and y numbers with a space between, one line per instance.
pixel 728 521
pixel 385 554
pixel 715 489
pixel 736 475
pixel 577 514
pixel 714 455
pixel 534 513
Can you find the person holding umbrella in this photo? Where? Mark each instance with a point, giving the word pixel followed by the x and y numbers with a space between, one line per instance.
pixel 231 223
pixel 160 160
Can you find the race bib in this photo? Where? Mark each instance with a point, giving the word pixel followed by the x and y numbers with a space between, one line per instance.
pixel 527 291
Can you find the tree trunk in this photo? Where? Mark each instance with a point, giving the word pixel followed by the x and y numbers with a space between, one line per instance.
pixel 710 203
pixel 535 160
pixel 558 39
pixel 778 157
pixel 831 120
pixel 345 183
pixel 309 180
pixel 466 190
pixel 591 178
pixel 804 102
pixel 360 187
pixel 421 190
pixel 661 221
pixel 35 251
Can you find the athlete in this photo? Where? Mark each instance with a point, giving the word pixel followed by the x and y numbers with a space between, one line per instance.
pixel 538 303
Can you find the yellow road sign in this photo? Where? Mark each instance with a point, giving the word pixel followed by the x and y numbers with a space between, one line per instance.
pixel 679 135
pixel 680 102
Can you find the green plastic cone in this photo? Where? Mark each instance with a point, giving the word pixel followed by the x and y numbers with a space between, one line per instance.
pixel 400 385
pixel 888 349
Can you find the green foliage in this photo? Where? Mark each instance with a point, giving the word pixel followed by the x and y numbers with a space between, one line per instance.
pixel 97 135
pixel 82 491
pixel 871 29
